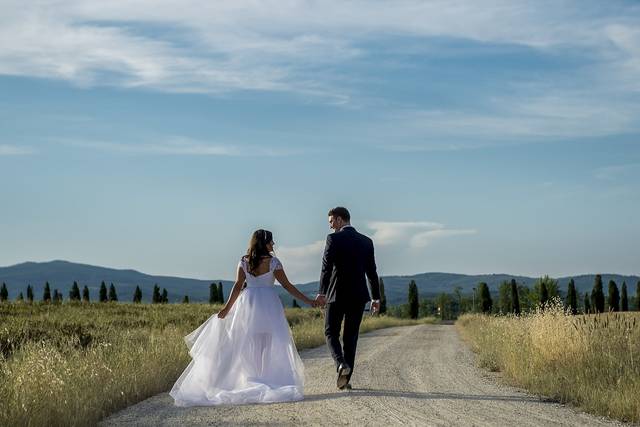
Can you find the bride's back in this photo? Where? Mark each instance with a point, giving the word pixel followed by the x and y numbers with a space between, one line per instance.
pixel 264 273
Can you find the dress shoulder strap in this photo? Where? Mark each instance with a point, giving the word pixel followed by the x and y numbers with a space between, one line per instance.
pixel 275 264
pixel 243 264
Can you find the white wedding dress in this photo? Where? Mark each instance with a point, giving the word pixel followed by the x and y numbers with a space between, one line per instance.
pixel 247 357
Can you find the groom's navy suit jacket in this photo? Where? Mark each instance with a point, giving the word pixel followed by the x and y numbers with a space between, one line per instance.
pixel 348 257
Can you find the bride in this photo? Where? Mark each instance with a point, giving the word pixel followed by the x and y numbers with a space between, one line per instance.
pixel 245 353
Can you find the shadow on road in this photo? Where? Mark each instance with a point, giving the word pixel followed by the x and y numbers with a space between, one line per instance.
pixel 357 392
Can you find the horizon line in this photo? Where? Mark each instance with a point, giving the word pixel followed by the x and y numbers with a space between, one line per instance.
pixel 315 281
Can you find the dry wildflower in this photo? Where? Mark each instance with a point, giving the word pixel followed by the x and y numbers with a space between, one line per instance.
pixel 591 360
pixel 135 352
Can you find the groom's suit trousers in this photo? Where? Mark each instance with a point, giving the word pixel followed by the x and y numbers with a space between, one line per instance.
pixel 352 314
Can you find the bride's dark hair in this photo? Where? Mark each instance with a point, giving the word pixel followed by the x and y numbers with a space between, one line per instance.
pixel 258 248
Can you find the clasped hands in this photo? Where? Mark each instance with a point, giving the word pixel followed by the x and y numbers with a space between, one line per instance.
pixel 320 301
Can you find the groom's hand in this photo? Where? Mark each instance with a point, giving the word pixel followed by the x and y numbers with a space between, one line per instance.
pixel 375 307
pixel 321 300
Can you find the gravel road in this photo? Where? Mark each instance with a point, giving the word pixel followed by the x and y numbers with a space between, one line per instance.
pixel 415 375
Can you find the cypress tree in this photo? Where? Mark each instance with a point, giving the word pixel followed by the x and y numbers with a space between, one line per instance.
pixel 515 298
pixel 544 293
pixel 383 298
pixel 220 293
pixel 4 293
pixel 213 293
pixel 137 295
pixel 551 286
pixel 46 297
pixel 103 292
pixel 74 293
pixel 572 297
pixel 295 304
pixel 55 296
pixel 597 295
pixel 587 303
pixel 614 297
pixel 624 298
pixel 638 296
pixel 486 303
pixel 113 296
pixel 20 297
pixel 29 293
pixel 185 300
pixel 504 297
pixel 165 297
pixel 155 299
pixel 85 294
pixel 413 300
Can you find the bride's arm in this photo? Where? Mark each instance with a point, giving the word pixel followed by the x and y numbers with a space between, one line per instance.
pixel 237 287
pixel 289 287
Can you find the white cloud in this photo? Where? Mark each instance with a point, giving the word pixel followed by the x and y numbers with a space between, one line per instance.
pixel 193 46
pixel 425 238
pixel 612 172
pixel 412 234
pixel 303 263
pixel 625 64
pixel 179 145
pixel 14 150
pixel 387 233
pixel 510 120
pixel 306 48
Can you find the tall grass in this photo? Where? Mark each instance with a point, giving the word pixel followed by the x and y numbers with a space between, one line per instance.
pixel 73 364
pixel 591 361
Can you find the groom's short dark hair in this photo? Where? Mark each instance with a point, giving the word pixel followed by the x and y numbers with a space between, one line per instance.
pixel 341 212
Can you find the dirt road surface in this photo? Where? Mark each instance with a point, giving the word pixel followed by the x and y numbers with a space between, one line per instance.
pixel 416 375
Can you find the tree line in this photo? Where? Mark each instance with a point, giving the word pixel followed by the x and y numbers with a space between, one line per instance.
pixel 515 298
pixel 512 296
pixel 216 294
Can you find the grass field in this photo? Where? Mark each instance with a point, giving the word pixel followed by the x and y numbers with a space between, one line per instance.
pixel 590 361
pixel 73 364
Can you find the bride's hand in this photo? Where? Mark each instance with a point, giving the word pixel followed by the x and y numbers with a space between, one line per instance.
pixel 223 313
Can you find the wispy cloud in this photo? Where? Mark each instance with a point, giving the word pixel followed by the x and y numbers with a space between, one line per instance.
pixel 625 64
pixel 518 119
pixel 244 45
pixel 612 172
pixel 179 145
pixel 316 50
pixel 386 233
pixel 425 238
pixel 412 234
pixel 14 150
pixel 303 263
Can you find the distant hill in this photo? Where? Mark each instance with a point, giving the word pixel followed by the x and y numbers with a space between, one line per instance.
pixel 61 275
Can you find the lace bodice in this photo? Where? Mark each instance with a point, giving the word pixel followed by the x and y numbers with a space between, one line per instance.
pixel 261 280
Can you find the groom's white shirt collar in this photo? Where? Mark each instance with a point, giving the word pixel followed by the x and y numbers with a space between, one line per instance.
pixel 345 226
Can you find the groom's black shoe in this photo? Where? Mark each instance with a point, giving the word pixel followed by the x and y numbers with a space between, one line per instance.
pixel 343 375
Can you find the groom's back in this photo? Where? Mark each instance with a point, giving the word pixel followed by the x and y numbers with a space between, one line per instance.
pixel 352 259
pixel 352 251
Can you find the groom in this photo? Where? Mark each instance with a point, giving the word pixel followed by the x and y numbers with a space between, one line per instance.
pixel 348 257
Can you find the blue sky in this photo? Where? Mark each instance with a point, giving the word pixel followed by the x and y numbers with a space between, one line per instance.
pixel 469 137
